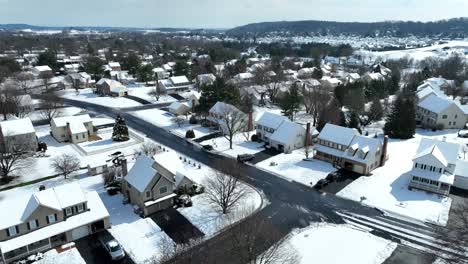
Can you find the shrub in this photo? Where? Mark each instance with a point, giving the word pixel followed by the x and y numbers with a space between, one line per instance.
pixel 193 120
pixel 254 137
pixel 190 134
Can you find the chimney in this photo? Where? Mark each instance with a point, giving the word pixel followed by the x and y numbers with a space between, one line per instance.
pixel 250 125
pixel 42 187
pixel 123 164
pixel 193 105
pixel 383 158
pixel 307 139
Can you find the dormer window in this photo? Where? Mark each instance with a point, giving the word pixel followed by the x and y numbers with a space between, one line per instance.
pixel 51 218
pixel 12 231
pixel 68 211
pixel 33 224
pixel 80 208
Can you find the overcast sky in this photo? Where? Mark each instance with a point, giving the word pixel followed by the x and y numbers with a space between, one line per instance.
pixel 219 13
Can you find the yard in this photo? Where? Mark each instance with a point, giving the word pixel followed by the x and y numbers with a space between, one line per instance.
pixel 69 256
pixel 103 142
pixel 293 167
pixel 336 244
pixel 142 92
pixel 241 144
pixel 87 95
pixel 387 187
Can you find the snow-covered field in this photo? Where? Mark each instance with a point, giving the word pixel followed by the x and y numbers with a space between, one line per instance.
pixel 106 143
pixel 241 144
pixel 87 95
pixel 69 256
pixel 142 92
pixel 387 188
pixel 165 120
pixel 338 244
pixel 293 167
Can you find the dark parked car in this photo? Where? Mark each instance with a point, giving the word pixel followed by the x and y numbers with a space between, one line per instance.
pixel 208 147
pixel 245 157
pixel 321 183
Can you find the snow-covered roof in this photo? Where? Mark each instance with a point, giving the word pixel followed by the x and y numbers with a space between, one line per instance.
pixel 166 67
pixel 338 134
pixel 113 64
pixel 177 80
pixel 221 108
pixel 271 120
pixel 142 172
pixel 170 161
pixel 435 103
pixel 445 152
pixel 244 76
pixel 461 168
pixel 96 212
pixel 43 68
pixel 287 132
pixel 365 148
pixel 69 194
pixel 73 120
pixel 17 127
pixel 158 69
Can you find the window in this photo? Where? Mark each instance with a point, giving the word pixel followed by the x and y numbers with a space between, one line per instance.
pixel 444 117
pixel 12 231
pixel 33 224
pixel 415 165
pixel 440 170
pixel 76 137
pixel 68 211
pixel 450 123
pixel 51 219
pixel 163 190
pixel 80 208
pixel 455 117
pixel 148 194
pixel 454 123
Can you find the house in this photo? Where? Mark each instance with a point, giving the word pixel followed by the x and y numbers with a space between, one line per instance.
pixel 175 84
pixel 42 70
pixel 280 133
pixel 352 77
pixel 75 129
pixel 220 112
pixel 110 87
pixel 147 188
pixel 205 79
pixel 49 218
pixel 81 79
pixel 71 68
pixel 435 165
pixel 17 135
pixel 306 73
pixel 345 148
pixel 244 77
pixel 160 73
pixel 178 108
pixel 112 66
pixel 434 111
pixel 330 83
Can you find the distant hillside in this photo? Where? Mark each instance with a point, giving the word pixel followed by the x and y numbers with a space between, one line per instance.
pixel 101 28
pixel 457 27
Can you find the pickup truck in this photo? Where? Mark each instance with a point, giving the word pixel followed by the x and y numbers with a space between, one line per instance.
pixel 111 246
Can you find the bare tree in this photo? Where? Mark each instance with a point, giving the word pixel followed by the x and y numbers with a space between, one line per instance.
pixel 455 235
pixel 148 148
pixel 178 120
pixel 258 241
pixel 46 77
pixel 13 160
pixel 315 100
pixel 24 80
pixel 50 106
pixel 225 190
pixel 65 164
pixel 232 121
pixel 157 91
pixel 172 253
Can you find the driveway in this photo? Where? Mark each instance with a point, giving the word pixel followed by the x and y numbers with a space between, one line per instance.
pixel 93 253
pixel 408 255
pixel 344 179
pixel 176 226
pixel 264 155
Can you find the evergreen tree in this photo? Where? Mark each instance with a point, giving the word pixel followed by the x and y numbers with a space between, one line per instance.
pixel 376 110
pixel 291 102
pixel 354 120
pixel 219 90
pixel 401 122
pixel 182 69
pixel 120 132
pixel 48 58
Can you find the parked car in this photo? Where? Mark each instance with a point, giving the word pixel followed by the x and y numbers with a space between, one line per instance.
pixel 463 133
pixel 208 147
pixel 111 246
pixel 321 183
pixel 245 157
pixel 183 200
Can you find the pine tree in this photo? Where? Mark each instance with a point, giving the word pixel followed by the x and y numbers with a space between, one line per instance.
pixel 120 132
pixel 376 110
pixel 401 123
pixel 353 120
pixel 291 102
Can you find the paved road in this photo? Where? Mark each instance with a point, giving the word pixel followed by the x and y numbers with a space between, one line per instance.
pixel 291 205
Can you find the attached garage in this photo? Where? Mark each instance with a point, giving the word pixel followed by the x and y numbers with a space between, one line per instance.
pixel 80 232
pixel 461 182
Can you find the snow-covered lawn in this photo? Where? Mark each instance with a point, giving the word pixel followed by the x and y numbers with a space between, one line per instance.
pixel 87 95
pixel 241 144
pixel 387 188
pixel 337 244
pixel 106 143
pixel 293 167
pixel 142 92
pixel 69 256
pixel 65 111
pixel 207 217
pixel 165 120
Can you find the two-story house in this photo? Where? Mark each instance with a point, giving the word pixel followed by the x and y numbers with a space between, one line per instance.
pixel 346 148
pixel 434 166
pixel 75 129
pixel 17 135
pixel 228 118
pixel 434 111
pixel 49 218
pixel 175 84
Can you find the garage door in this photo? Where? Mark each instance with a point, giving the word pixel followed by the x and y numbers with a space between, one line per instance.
pixel 358 168
pixel 461 182
pixel 80 232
